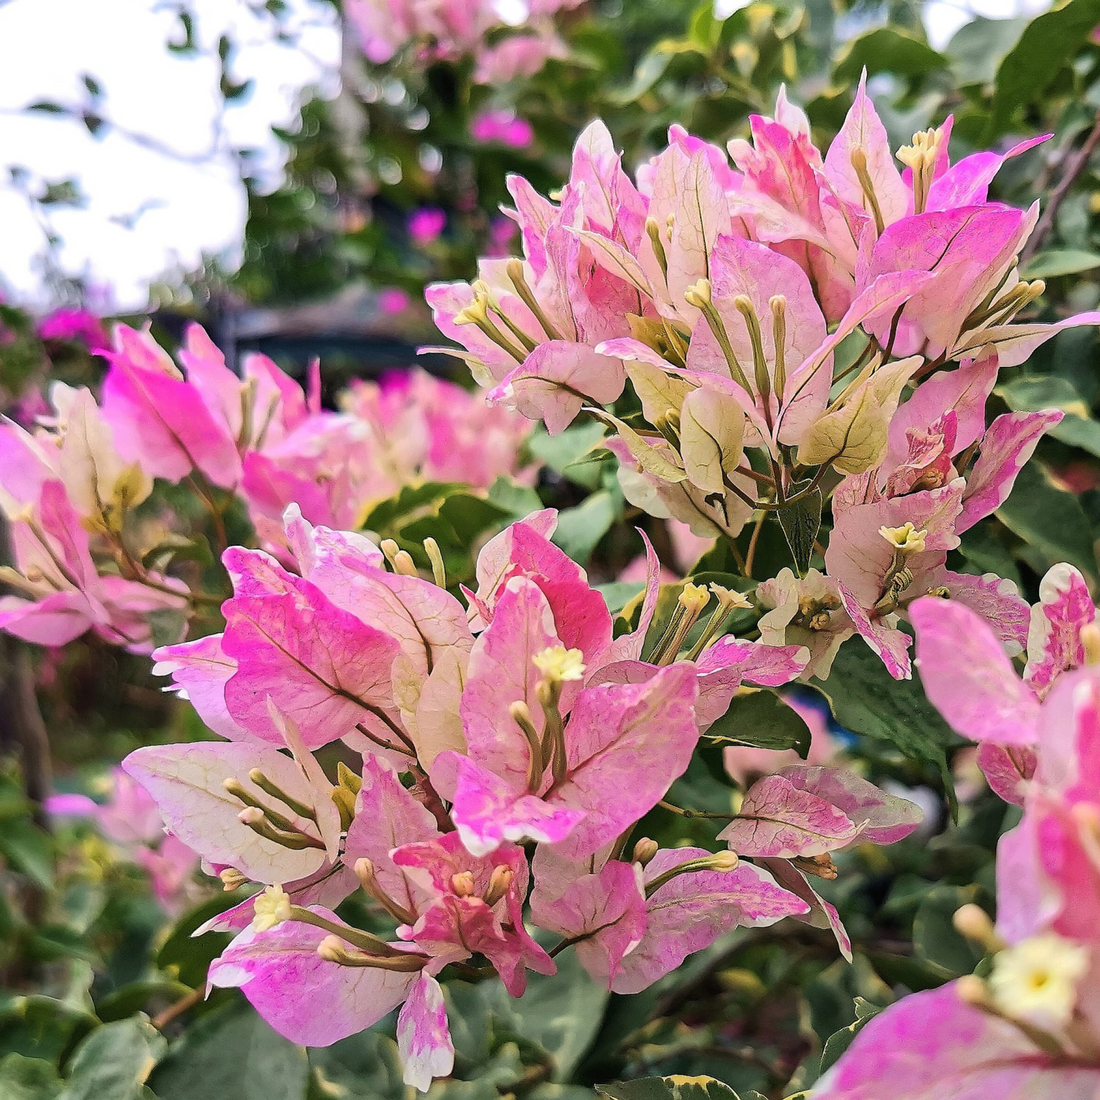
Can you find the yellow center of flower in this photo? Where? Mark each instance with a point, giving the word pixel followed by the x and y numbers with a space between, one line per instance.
pixel 906 538
pixel 560 664
pixel 1036 980
pixel 270 909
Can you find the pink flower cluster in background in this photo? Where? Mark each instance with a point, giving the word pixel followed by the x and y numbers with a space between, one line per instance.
pixel 84 557
pixel 454 29
pixel 131 821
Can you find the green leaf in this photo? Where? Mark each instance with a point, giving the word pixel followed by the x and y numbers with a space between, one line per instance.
pixel 568 454
pixel 934 934
pixel 188 956
pixel 1061 261
pixel 28 1079
pixel 761 720
pixel 562 1014
pixel 405 506
pixel 978 47
pixel 887 49
pixel 232 1053
pixel 581 528
pixel 841 1040
pixel 866 699
pixel 1050 520
pixel 670 1088
pixel 362 1067
pixel 518 501
pixel 42 1027
pixel 1034 392
pixel 1047 45
pixel 28 849
pixel 114 1061
pixel 801 522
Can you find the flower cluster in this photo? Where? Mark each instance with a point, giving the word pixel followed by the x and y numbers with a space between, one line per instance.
pixel 130 820
pixel 86 557
pixel 1029 1027
pixel 495 762
pixel 770 316
pixel 503 44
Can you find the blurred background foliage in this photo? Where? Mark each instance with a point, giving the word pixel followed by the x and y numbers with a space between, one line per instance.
pixel 88 955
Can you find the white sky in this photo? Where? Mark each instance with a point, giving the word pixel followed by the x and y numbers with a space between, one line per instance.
pixel 191 204
pixel 194 203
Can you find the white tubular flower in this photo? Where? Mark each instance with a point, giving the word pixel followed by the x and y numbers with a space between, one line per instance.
pixel 1036 980
pixel 270 909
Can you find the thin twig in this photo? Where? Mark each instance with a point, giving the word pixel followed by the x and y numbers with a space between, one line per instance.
pixel 1072 168
pixel 184 1004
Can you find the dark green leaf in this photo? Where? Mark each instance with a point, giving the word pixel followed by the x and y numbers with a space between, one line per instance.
pixel 865 699
pixel 28 1079
pixel 888 49
pixel 762 720
pixel 562 1013
pixel 1047 44
pixel 840 1041
pixel 1049 519
pixel 670 1088
pixel 801 522
pixel 28 849
pixel 114 1061
pixel 232 1053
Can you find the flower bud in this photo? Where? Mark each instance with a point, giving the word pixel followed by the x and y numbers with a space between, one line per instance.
pixel 644 851
pixel 500 882
pixel 463 884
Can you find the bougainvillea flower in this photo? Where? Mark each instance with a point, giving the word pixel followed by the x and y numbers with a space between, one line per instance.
pixel 503 790
pixel 634 925
pixel 159 420
pixel 969 678
pixel 1027 1029
pixel 805 811
pixel 67 596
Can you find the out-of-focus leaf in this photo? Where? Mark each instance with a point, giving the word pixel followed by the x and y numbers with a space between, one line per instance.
pixel 1049 519
pixel 581 528
pixel 1047 44
pixel 1061 261
pixel 28 1079
pixel 761 720
pixel 569 454
pixel 888 49
pixel 114 1062
pixel 232 1053
pixel 42 1027
pixel 978 47
pixel 28 849
pixel 188 956
pixel 562 1013
pixel 934 935
pixel 1047 391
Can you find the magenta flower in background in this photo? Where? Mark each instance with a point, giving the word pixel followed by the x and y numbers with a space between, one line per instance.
pixel 426 225
pixel 73 324
pixel 393 300
pixel 501 127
